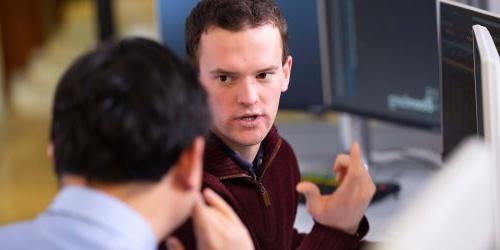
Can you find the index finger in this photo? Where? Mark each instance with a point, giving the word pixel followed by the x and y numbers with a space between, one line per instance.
pixel 356 156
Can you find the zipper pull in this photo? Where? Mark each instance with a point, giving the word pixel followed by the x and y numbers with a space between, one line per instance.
pixel 265 195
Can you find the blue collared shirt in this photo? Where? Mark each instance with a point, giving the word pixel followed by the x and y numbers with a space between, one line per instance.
pixel 81 218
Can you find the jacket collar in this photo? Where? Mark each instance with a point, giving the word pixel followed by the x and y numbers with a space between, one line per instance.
pixel 219 164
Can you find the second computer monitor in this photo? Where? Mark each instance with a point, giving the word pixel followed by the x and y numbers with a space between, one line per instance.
pixel 384 59
pixel 461 96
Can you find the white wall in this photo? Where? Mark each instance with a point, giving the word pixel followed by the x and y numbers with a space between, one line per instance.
pixel 494 6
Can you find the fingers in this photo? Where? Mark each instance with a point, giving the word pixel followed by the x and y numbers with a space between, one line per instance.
pixel 356 156
pixel 344 208
pixel 199 208
pixel 313 196
pixel 344 160
pixel 349 165
pixel 358 174
pixel 341 162
pixel 216 202
pixel 216 225
pixel 355 150
pixel 340 166
pixel 174 244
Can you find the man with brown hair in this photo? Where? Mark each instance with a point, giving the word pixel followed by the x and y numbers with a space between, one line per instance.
pixel 240 50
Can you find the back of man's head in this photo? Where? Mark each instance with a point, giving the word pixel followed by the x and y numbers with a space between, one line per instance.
pixel 233 15
pixel 125 112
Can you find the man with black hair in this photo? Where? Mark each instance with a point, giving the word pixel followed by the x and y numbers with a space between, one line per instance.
pixel 241 52
pixel 128 127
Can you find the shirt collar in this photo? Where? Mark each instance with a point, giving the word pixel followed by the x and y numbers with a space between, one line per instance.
pixel 100 208
pixel 218 163
pixel 242 163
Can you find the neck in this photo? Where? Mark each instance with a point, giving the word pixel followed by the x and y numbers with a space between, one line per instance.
pixel 246 152
pixel 147 199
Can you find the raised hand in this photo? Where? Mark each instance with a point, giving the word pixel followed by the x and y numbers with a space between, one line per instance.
pixel 344 208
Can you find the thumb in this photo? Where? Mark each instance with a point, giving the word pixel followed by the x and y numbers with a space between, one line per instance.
pixel 312 194
pixel 174 244
pixel 198 210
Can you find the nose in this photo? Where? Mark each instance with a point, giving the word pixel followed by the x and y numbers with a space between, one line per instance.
pixel 248 93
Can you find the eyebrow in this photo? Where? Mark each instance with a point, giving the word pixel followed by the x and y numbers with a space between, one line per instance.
pixel 270 68
pixel 222 72
pixel 219 71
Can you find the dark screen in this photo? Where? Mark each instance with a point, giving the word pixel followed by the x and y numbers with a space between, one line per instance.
pixel 385 60
pixel 461 113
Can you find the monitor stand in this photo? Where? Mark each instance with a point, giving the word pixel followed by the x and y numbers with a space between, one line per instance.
pixel 356 128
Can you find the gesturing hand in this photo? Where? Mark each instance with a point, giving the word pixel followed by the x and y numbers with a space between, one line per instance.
pixel 216 225
pixel 344 208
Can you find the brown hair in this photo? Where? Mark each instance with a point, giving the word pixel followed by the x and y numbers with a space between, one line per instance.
pixel 234 15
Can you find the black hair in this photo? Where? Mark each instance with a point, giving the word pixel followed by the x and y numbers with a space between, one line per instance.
pixel 125 112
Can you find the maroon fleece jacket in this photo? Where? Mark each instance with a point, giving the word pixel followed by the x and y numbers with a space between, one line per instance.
pixel 268 204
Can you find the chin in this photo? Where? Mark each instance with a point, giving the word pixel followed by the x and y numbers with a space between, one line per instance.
pixel 250 142
pixel 250 139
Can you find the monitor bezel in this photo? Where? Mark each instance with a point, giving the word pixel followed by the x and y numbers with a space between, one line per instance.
pixel 486 53
pixel 450 3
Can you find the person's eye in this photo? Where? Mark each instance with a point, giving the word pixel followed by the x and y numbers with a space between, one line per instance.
pixel 264 76
pixel 224 79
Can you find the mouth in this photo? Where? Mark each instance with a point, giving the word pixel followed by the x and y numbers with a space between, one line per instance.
pixel 249 117
pixel 249 120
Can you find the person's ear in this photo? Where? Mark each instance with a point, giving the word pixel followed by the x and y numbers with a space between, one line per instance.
pixel 50 151
pixel 189 167
pixel 287 70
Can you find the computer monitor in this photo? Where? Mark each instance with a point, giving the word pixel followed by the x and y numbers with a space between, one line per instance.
pixel 383 60
pixel 459 91
pixel 487 77
pixel 459 208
